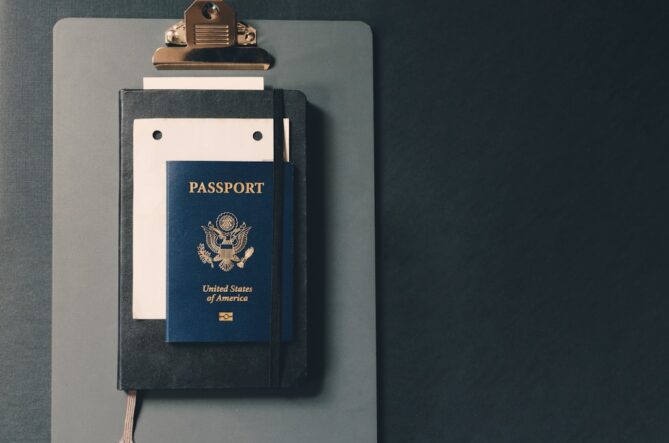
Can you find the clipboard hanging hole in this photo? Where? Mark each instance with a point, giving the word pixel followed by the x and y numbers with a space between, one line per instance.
pixel 211 11
pixel 257 136
pixel 157 135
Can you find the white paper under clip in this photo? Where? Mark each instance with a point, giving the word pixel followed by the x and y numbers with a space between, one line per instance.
pixel 212 83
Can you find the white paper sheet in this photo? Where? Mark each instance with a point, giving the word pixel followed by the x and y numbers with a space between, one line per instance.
pixel 226 83
pixel 181 139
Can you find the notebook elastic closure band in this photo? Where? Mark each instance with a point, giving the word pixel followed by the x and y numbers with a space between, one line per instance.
pixel 277 244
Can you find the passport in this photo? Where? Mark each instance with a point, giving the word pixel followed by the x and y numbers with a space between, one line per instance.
pixel 219 251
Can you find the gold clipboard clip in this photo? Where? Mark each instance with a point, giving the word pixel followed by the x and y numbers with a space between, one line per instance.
pixel 210 37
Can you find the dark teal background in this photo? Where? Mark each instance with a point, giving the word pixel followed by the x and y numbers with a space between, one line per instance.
pixel 521 200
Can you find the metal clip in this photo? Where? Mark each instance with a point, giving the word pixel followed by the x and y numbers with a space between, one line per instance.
pixel 210 37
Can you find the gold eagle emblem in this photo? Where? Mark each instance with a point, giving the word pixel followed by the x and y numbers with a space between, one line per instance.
pixel 225 239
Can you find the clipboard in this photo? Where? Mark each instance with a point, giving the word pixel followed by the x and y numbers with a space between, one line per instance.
pixel 340 113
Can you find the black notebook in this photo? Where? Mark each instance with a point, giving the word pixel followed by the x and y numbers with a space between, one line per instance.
pixel 145 359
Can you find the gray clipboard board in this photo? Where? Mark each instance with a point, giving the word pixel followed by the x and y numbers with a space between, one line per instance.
pixel 332 63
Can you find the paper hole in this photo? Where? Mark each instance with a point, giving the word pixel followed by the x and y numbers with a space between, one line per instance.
pixel 157 135
pixel 257 136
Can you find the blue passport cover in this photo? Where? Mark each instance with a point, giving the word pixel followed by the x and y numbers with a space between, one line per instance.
pixel 219 251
